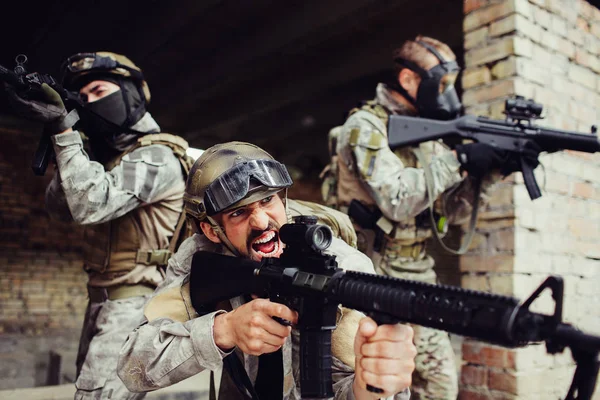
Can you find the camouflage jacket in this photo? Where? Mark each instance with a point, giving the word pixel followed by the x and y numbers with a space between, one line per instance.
pixel 175 343
pixel 145 189
pixel 394 181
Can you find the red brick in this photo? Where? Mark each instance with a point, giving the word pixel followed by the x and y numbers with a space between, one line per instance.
pixel 485 354
pixel 36 251
pixel 495 90
pixel 497 50
pixel 503 381
pixel 472 5
pixel 472 395
pixel 487 263
pixel 503 240
pixel 473 375
pixel 484 15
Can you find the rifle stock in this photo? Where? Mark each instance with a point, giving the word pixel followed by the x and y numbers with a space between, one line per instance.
pixel 311 283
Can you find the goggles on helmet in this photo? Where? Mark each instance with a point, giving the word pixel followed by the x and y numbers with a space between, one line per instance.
pixel 82 62
pixel 233 185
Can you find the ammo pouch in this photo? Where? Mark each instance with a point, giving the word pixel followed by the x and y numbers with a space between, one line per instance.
pixel 374 220
pixel 367 219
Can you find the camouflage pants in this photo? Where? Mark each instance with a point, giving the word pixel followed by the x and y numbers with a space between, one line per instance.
pixel 106 327
pixel 435 376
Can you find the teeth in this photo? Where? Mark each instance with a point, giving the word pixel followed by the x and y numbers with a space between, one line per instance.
pixel 275 249
pixel 266 238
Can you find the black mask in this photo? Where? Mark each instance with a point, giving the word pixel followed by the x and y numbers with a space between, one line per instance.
pixel 109 119
pixel 111 108
pixel 430 102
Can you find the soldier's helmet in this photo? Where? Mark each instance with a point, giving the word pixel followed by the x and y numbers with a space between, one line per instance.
pixel 230 175
pixel 105 63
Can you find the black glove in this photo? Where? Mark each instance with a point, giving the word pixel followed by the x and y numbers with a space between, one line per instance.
pixel 44 105
pixel 529 154
pixel 478 159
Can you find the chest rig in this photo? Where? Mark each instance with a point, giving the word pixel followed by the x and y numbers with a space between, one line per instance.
pixel 343 190
pixel 113 248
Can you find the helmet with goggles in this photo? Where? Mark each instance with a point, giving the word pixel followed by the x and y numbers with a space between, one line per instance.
pixel 231 175
pixel 81 65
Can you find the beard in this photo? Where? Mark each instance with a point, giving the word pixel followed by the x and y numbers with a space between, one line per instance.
pixel 254 234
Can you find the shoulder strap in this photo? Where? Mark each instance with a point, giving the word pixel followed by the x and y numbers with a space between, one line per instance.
pixel 428 183
pixel 176 143
pixel 374 108
pixel 238 374
pixel 179 146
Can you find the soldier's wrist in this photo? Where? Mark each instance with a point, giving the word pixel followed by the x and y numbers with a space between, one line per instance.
pixel 64 123
pixel 222 333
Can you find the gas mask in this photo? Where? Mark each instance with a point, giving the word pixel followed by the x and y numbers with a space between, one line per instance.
pixel 430 103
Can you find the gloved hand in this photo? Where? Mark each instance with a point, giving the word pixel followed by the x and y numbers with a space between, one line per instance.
pixel 530 154
pixel 44 105
pixel 478 159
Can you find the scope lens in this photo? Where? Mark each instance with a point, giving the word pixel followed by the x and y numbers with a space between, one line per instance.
pixel 320 237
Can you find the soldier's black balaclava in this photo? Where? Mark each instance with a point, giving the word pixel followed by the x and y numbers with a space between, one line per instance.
pixel 430 103
pixel 110 118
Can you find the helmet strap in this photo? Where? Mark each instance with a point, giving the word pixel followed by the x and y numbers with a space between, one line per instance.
pixel 285 204
pixel 220 232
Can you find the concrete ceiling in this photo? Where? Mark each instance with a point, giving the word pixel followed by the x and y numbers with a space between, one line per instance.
pixel 276 73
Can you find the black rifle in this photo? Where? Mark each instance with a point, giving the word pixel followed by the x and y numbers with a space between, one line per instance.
pixel 28 85
pixel 309 281
pixel 512 134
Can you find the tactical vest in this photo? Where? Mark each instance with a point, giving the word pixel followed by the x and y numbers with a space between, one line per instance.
pixel 342 185
pixel 339 222
pixel 113 248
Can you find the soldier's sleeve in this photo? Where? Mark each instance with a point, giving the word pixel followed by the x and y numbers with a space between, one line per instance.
pixel 457 202
pixel 56 202
pixel 171 344
pixel 94 195
pixel 179 264
pixel 399 191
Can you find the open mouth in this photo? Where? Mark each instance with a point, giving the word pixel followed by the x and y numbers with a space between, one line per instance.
pixel 267 244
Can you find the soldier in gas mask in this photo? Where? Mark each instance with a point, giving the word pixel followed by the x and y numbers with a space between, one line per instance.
pixel 390 192
pixel 129 196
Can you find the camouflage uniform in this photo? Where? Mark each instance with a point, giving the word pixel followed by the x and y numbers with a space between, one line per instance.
pixel 364 168
pixel 339 223
pixel 175 343
pixel 130 208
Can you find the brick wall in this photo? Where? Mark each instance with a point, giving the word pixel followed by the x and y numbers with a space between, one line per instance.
pixel 547 50
pixel 42 285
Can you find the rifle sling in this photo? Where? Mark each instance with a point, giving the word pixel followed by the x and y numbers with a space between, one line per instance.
pixel 234 367
pixel 474 211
